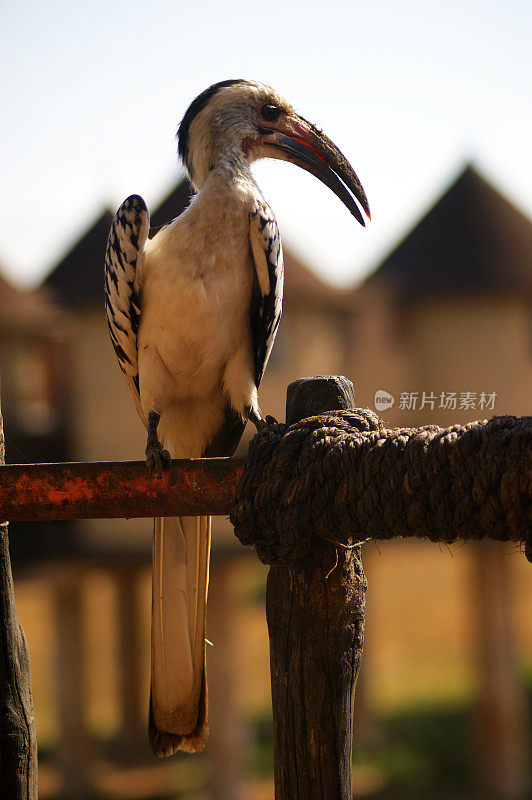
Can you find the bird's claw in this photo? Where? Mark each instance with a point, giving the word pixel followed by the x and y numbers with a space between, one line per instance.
pixel 259 422
pixel 156 459
pixel 266 422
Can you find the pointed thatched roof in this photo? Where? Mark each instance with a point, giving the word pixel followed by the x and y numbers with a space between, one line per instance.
pixel 472 240
pixel 78 278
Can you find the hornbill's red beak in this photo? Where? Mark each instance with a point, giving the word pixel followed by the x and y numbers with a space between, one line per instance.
pixel 296 140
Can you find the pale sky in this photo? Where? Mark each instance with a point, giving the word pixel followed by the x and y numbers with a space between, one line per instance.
pixel 92 93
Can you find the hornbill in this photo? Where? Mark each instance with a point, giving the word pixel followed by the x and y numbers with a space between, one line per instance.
pixel 193 313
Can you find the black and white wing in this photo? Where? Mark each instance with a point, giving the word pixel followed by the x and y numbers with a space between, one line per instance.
pixel 267 302
pixel 123 265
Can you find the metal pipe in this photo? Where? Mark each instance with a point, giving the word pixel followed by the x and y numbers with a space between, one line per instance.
pixel 109 489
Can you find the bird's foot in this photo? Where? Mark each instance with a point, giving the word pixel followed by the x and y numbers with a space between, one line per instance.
pixel 156 459
pixel 258 421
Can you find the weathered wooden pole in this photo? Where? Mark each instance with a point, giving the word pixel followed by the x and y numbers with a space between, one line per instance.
pixel 132 734
pixel 501 717
pixel 226 748
pixel 315 612
pixel 18 740
pixel 74 747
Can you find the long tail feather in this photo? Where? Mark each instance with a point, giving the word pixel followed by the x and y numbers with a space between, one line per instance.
pixel 178 701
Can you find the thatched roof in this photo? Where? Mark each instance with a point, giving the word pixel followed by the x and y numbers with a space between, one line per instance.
pixel 472 240
pixel 78 278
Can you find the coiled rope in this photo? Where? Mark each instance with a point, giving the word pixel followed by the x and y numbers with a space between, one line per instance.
pixel 345 477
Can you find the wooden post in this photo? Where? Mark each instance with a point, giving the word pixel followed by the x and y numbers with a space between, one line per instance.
pixel 132 737
pixel 501 717
pixel 226 748
pixel 315 612
pixel 74 748
pixel 18 740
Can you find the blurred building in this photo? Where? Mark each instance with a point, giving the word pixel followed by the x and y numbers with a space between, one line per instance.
pixel 33 331
pixel 34 361
pixel 443 328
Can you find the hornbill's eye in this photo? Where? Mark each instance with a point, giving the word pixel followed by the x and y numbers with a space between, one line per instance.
pixel 269 112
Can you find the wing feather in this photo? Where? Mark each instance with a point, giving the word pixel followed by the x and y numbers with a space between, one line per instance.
pixel 267 302
pixel 123 266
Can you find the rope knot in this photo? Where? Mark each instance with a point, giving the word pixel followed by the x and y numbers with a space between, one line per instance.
pixel 287 491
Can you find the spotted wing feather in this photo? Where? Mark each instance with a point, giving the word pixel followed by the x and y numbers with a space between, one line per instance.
pixel 267 301
pixel 123 265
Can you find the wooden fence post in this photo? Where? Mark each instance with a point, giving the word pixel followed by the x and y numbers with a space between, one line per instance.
pixel 18 740
pixel 315 613
pixel 131 740
pixel 74 748
pixel 501 718
pixel 226 748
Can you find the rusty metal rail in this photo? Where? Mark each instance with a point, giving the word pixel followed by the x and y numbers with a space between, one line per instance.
pixel 110 489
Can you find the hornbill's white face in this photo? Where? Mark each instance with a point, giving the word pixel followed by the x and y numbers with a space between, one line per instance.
pixel 242 119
